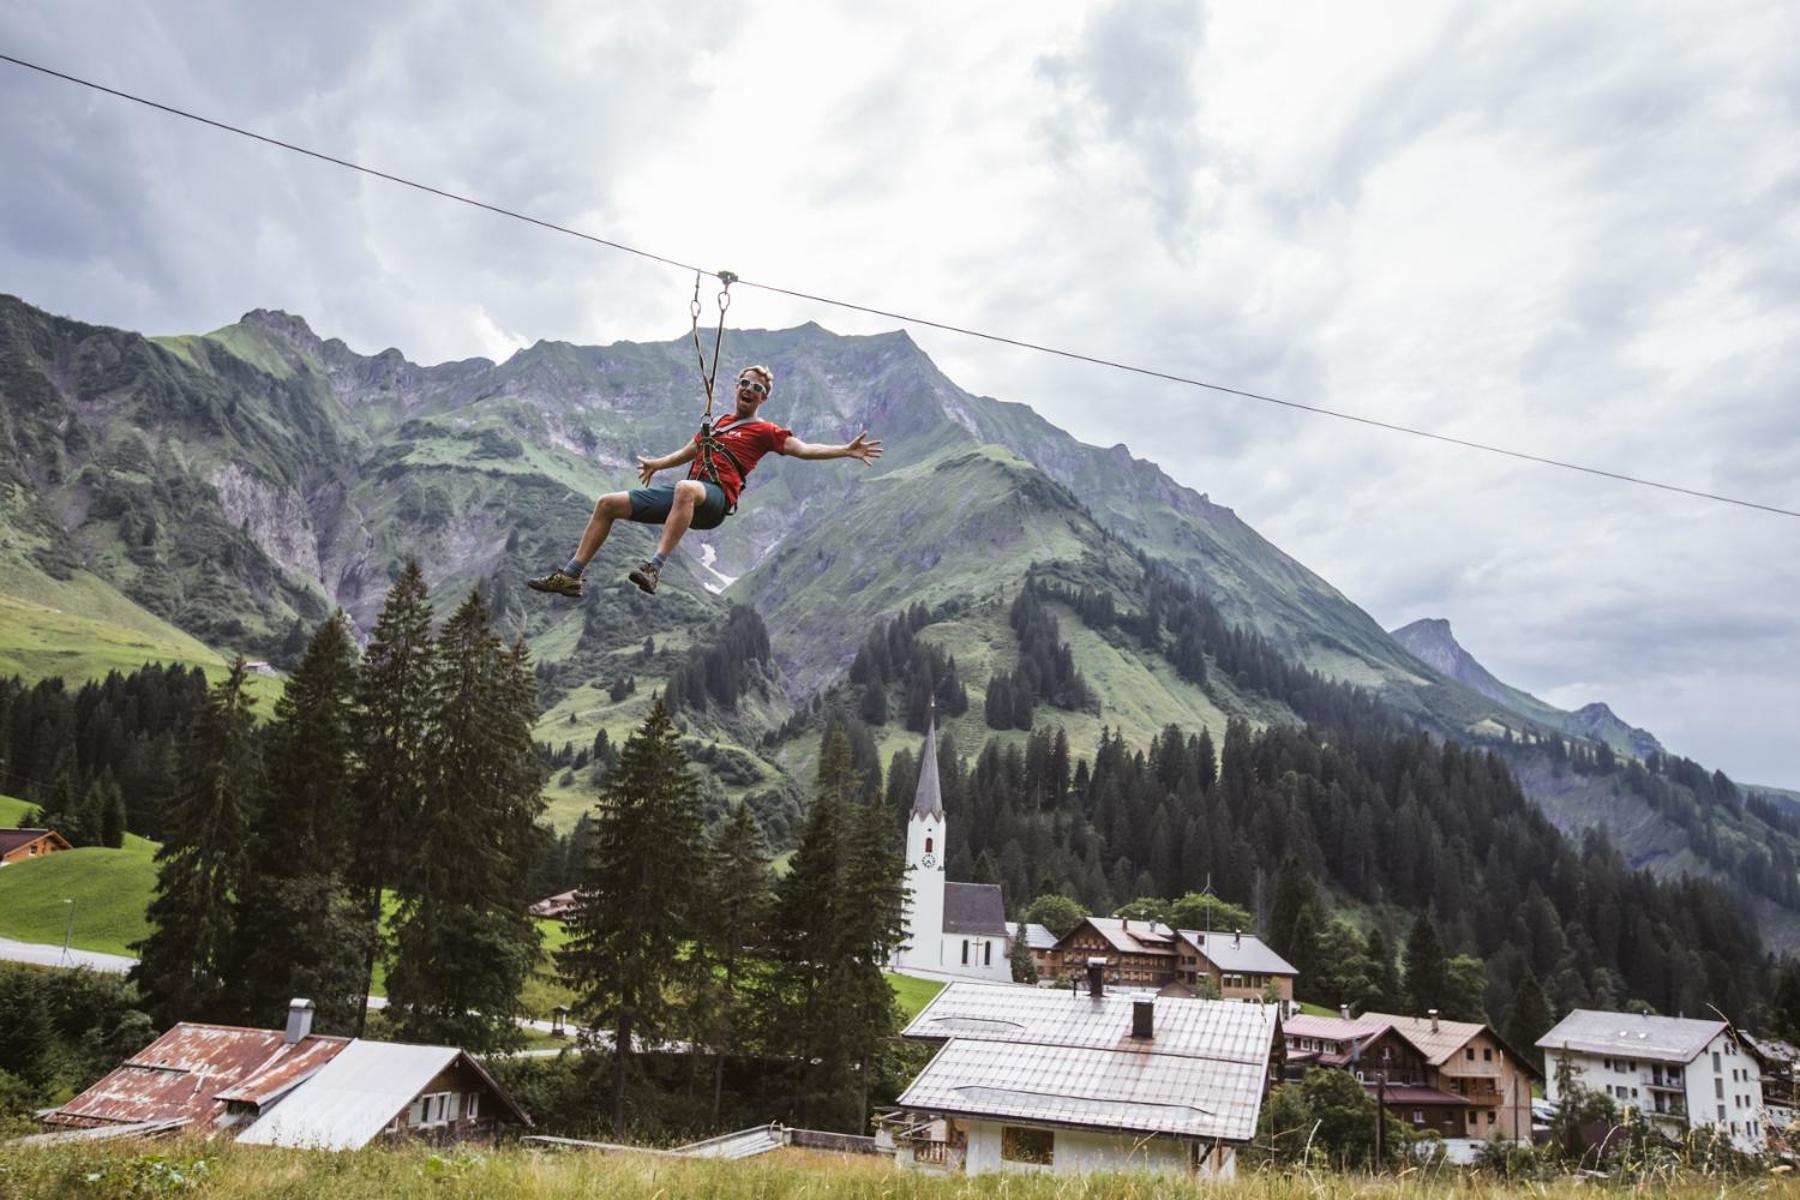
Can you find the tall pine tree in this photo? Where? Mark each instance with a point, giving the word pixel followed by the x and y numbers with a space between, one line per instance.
pixel 1426 980
pixel 463 943
pixel 391 732
pixel 731 928
pixel 638 900
pixel 300 930
pixel 201 864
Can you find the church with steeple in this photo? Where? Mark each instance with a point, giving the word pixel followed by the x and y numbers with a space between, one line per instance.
pixel 951 928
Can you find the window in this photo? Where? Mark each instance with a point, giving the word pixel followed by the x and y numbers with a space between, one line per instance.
pixel 1490 1116
pixel 1718 1089
pixel 928 845
pixel 1022 1145
pixel 1418 1116
pixel 1716 1067
pixel 965 952
pixel 1487 1054
pixel 987 954
pixel 1606 1063
pixel 1721 1112
pixel 1469 1054
pixel 474 1105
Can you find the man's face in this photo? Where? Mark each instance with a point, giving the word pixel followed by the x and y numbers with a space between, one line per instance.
pixel 752 390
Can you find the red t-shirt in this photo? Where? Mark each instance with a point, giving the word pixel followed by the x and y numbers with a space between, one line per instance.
pixel 744 442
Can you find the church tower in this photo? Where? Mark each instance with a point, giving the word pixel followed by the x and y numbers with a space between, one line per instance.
pixel 925 863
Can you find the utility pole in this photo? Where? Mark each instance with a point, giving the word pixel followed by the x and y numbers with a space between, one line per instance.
pixel 1380 1119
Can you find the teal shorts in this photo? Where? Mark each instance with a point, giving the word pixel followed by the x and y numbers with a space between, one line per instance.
pixel 651 505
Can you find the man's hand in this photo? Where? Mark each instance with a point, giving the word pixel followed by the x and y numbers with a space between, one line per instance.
pixel 646 468
pixel 863 448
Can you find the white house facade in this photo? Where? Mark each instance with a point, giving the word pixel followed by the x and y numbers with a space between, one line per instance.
pixel 1678 1073
pixel 951 928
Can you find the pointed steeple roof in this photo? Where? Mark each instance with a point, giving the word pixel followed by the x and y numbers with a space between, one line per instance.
pixel 928 800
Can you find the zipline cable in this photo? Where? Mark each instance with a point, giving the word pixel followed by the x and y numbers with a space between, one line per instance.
pixel 999 339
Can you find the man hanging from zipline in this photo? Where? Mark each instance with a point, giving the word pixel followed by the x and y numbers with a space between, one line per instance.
pixel 726 452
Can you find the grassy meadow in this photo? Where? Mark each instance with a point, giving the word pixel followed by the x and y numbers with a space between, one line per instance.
pixel 111 889
pixel 229 1172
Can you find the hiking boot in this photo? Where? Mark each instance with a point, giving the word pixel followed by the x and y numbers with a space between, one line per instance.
pixel 558 583
pixel 645 577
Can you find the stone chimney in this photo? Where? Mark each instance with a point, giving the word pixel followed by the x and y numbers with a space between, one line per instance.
pixel 1143 1019
pixel 299 1023
pixel 1344 1011
pixel 1096 976
pixel 1237 938
pixel 1434 1020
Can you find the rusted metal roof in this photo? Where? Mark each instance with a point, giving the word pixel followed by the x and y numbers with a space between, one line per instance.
pixel 193 1071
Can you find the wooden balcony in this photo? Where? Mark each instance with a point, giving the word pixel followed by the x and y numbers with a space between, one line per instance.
pixel 943 1155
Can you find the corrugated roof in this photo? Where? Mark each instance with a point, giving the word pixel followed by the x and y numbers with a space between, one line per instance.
pixel 353 1098
pixel 1226 1030
pixel 1631 1035
pixel 928 799
pixel 192 1070
pixel 1036 936
pixel 1135 1091
pixel 350 1101
pixel 974 908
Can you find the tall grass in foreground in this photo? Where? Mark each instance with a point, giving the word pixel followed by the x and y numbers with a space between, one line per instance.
pixel 230 1172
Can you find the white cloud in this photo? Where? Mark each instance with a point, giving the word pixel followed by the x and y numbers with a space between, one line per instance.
pixel 1570 231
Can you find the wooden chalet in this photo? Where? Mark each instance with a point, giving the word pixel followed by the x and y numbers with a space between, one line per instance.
pixel 1149 954
pixel 22 845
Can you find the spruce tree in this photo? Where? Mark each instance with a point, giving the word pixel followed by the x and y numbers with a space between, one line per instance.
pixel 464 944
pixel 299 926
pixel 110 803
pixel 1024 970
pixel 794 995
pixel 730 928
pixel 871 928
pixel 1426 984
pixel 638 900
pixel 201 863
pixel 391 729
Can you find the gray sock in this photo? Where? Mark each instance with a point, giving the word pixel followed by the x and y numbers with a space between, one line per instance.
pixel 658 559
pixel 573 568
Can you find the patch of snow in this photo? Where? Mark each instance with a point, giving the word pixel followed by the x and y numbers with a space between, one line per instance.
pixel 708 556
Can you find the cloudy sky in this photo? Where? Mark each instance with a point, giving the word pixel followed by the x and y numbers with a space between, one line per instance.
pixel 1571 230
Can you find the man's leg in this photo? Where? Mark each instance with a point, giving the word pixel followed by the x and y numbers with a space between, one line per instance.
pixel 566 581
pixel 609 508
pixel 688 494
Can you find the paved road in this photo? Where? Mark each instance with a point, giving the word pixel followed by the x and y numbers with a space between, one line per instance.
pixel 55 956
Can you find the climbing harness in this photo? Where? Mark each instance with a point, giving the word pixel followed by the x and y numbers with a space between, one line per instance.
pixel 710 446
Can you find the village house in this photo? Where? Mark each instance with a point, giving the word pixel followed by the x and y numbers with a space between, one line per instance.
pixel 1455 1077
pixel 22 845
pixel 950 928
pixel 1679 1072
pixel 1149 954
pixel 292 1087
pixel 1779 1059
pixel 1084 1079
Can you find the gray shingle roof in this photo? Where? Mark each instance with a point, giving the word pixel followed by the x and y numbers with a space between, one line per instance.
pixel 1067 1058
pixel 974 908
pixel 1239 952
pixel 1228 1030
pixel 1137 1091
pixel 928 799
pixel 1036 936
pixel 1630 1035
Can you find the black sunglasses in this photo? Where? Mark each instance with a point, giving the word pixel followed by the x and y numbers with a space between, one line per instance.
pixel 761 389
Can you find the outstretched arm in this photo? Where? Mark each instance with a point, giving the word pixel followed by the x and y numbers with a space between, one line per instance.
pixel 650 466
pixel 860 447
